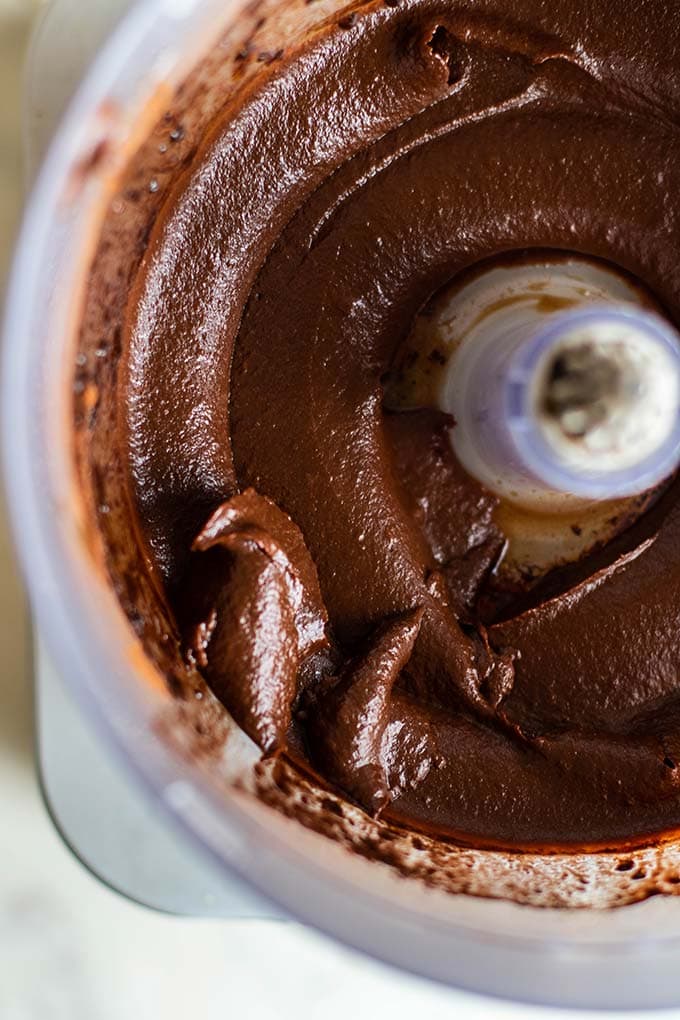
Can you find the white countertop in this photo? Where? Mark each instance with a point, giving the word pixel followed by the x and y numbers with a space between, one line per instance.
pixel 72 950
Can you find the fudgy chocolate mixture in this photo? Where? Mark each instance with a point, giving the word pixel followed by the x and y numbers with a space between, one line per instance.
pixel 327 563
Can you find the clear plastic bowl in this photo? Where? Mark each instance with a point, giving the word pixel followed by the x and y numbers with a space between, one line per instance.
pixel 617 958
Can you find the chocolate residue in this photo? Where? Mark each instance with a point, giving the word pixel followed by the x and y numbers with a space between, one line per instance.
pixel 576 880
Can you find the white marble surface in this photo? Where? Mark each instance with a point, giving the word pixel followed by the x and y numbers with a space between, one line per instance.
pixel 72 950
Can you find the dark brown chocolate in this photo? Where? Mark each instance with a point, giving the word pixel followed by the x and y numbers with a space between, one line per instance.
pixel 358 176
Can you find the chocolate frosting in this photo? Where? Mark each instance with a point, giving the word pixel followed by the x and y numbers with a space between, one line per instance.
pixel 348 725
pixel 340 603
pixel 262 614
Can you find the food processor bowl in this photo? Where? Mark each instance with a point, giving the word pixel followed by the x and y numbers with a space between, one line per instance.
pixel 578 956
